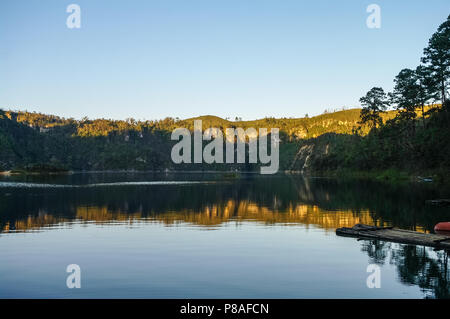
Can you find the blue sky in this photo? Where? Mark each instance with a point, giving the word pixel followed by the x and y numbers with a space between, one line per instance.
pixel 183 58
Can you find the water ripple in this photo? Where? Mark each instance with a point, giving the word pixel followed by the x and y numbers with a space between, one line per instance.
pixel 41 185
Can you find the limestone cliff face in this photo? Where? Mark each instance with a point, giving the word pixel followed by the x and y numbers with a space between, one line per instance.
pixel 302 158
pixel 311 153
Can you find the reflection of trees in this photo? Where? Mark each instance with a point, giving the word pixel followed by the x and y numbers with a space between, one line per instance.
pixel 416 265
pixel 376 250
pixel 209 216
pixel 327 203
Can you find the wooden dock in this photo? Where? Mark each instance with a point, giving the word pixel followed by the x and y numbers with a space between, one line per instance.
pixel 395 235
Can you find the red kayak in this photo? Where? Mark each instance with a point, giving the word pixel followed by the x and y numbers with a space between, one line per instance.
pixel 443 227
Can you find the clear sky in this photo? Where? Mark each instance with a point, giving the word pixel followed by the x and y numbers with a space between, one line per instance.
pixel 182 58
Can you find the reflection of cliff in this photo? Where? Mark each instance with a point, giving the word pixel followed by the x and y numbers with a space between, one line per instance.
pixel 209 216
pixel 416 265
pixel 247 211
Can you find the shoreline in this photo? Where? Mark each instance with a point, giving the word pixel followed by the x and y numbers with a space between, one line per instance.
pixel 386 175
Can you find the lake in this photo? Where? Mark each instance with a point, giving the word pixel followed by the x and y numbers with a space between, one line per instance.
pixel 205 235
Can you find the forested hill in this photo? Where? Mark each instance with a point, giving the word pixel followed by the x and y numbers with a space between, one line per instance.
pixel 102 144
pixel 330 141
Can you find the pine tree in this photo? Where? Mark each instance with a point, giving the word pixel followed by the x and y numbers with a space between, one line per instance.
pixel 373 103
pixel 437 57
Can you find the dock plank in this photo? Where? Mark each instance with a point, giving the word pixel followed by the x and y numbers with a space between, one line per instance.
pixel 395 235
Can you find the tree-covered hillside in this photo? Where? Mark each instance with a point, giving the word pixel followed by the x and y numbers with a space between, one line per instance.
pixel 33 139
pixel 102 144
pixel 407 129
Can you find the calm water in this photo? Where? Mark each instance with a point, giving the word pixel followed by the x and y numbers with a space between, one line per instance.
pixel 203 236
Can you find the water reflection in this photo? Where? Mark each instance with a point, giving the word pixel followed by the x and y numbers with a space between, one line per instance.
pixel 210 216
pixel 212 202
pixel 286 200
pixel 416 265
